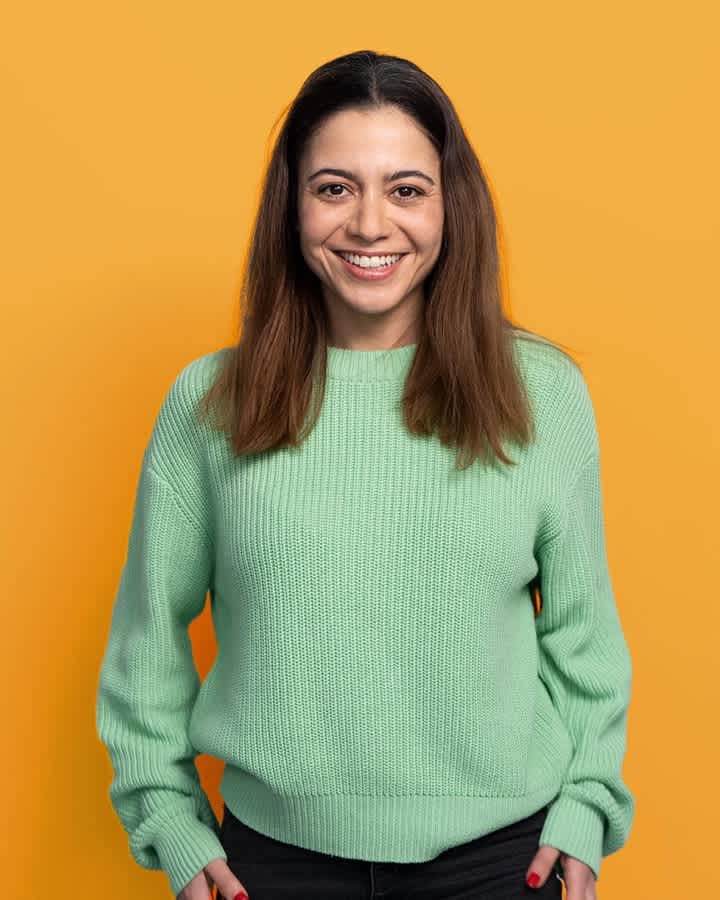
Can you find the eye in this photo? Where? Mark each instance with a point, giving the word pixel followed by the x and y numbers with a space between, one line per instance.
pixel 402 187
pixel 409 187
pixel 325 187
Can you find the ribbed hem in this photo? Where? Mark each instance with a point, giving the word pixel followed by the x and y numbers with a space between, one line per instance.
pixel 400 829
pixel 575 829
pixel 369 365
pixel 184 846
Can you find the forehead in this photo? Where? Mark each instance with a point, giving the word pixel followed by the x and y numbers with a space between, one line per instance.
pixel 369 140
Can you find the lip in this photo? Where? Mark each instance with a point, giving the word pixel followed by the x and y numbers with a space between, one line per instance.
pixel 374 253
pixel 369 274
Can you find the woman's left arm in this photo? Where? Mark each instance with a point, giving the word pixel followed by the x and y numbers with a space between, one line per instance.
pixel 585 662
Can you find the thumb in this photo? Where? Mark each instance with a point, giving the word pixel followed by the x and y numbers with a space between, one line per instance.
pixel 541 866
pixel 228 886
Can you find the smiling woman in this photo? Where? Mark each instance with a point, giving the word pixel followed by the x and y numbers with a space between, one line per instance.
pixel 372 484
pixel 379 212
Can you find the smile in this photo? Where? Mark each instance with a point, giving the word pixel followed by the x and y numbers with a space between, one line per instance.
pixel 368 259
pixel 370 268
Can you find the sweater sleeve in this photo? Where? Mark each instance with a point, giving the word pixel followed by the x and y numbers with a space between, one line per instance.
pixel 148 681
pixel 586 666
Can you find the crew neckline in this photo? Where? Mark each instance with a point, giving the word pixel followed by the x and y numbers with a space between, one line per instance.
pixel 390 364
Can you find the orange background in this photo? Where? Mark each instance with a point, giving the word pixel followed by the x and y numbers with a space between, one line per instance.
pixel 134 139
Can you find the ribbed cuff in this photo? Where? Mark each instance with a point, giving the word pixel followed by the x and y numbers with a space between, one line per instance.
pixel 575 829
pixel 185 846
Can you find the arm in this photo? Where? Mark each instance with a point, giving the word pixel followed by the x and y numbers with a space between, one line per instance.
pixel 585 663
pixel 148 681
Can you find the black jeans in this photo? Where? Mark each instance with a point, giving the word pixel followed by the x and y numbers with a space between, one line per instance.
pixel 491 867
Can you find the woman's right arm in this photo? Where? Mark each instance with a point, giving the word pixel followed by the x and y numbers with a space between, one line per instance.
pixel 148 681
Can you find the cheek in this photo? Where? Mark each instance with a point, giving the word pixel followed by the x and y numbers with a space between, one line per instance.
pixel 429 231
pixel 424 230
pixel 318 223
pixel 315 260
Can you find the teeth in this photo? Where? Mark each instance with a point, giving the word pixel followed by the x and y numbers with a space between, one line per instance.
pixel 371 262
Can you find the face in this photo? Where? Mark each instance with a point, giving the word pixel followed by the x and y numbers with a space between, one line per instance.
pixel 382 197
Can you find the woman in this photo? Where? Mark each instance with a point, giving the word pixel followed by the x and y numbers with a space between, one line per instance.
pixel 393 496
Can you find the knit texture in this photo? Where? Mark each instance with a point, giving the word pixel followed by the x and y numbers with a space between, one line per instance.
pixel 383 689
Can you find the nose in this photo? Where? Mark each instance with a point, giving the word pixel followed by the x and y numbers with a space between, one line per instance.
pixel 368 220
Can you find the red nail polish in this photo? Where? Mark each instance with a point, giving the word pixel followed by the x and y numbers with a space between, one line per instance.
pixel 533 879
pixel 241 895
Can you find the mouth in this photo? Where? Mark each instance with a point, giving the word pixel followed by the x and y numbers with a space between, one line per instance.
pixel 368 272
pixel 340 252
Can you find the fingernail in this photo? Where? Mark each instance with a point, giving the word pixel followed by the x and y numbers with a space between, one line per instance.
pixel 533 879
pixel 241 895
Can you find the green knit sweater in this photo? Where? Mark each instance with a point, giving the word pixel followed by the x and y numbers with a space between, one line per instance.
pixel 383 689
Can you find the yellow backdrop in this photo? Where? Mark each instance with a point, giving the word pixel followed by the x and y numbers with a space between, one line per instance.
pixel 133 140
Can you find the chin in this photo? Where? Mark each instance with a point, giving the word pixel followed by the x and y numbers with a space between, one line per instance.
pixel 380 305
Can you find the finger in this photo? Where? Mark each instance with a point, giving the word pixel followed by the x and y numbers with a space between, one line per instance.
pixel 574 890
pixel 541 866
pixel 198 888
pixel 580 884
pixel 228 885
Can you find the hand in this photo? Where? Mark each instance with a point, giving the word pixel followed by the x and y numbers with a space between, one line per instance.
pixel 216 872
pixel 579 878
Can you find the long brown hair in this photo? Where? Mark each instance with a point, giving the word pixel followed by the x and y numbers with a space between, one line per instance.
pixel 463 382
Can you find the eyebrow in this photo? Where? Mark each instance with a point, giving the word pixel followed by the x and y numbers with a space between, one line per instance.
pixel 344 173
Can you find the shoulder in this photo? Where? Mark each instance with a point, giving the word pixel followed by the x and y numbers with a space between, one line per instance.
pixel 560 396
pixel 178 431
pixel 537 354
pixel 194 379
pixel 548 372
